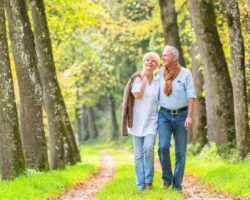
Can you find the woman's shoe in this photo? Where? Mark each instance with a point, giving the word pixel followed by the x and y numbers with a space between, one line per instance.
pixel 149 186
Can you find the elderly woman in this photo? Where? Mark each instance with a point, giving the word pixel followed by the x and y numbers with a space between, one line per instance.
pixel 145 89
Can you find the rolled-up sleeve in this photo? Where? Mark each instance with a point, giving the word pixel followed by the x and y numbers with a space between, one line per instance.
pixel 190 90
pixel 136 85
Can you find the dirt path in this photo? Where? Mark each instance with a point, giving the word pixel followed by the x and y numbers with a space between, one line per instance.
pixel 193 189
pixel 89 188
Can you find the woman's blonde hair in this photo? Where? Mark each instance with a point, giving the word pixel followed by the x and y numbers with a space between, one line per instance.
pixel 153 55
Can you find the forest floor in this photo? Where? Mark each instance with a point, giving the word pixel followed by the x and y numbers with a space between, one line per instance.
pixel 115 179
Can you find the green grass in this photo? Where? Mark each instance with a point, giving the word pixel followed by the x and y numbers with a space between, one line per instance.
pixel 123 184
pixel 221 174
pixel 226 175
pixel 41 185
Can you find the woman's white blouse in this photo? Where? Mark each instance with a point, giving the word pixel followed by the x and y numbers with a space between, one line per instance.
pixel 145 110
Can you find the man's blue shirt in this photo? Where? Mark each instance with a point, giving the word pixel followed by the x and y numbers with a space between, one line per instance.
pixel 182 90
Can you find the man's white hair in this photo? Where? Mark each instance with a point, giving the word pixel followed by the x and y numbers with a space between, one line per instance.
pixel 172 50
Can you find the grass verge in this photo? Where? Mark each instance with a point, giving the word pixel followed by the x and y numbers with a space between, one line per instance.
pixel 41 185
pixel 225 175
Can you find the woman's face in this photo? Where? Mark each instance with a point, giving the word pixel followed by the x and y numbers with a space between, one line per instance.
pixel 150 64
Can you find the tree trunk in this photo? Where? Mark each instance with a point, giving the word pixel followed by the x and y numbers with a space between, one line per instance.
pixel 170 26
pixel 70 133
pixel 248 5
pixel 78 123
pixel 91 120
pixel 53 100
pixel 198 133
pixel 84 124
pixel 12 161
pixel 219 97
pixel 23 48
pixel 115 127
pixel 239 77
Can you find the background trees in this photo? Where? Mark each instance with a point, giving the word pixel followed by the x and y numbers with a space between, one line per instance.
pixel 107 53
pixel 82 54
pixel 170 26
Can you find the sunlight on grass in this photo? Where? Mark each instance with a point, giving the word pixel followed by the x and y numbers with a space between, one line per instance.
pixel 123 184
pixel 223 176
pixel 220 173
pixel 41 185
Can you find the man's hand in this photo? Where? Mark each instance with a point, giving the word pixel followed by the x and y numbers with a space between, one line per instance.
pixel 188 122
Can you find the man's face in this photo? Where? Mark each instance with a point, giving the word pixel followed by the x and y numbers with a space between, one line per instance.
pixel 168 58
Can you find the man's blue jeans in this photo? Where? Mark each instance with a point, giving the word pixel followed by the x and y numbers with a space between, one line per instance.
pixel 168 124
pixel 144 159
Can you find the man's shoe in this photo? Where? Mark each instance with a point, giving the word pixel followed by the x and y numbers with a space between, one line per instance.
pixel 178 189
pixel 166 185
pixel 149 186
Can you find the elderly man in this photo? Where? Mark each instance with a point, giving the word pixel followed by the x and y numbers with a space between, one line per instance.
pixel 177 99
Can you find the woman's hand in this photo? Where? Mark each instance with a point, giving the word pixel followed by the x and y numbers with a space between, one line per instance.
pixel 139 94
pixel 143 76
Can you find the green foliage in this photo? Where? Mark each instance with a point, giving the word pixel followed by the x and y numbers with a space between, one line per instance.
pixel 210 152
pixel 186 31
pixel 193 149
pixel 97 45
pixel 247 158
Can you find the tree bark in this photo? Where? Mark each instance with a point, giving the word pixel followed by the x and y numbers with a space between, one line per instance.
pixel 115 127
pixel 198 133
pixel 239 77
pixel 70 133
pixel 248 5
pixel 12 162
pixel 91 120
pixel 52 96
pixel 84 124
pixel 170 26
pixel 78 123
pixel 23 48
pixel 219 95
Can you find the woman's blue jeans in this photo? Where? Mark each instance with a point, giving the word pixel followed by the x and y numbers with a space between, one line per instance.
pixel 168 124
pixel 144 159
